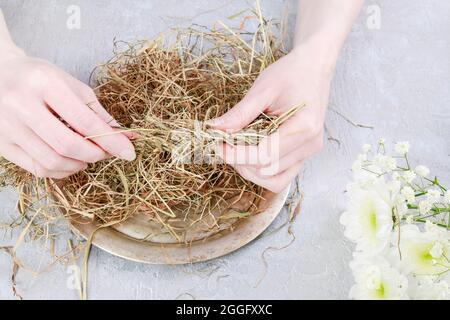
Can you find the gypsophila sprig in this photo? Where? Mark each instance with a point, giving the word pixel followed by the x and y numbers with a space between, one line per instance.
pixel 399 219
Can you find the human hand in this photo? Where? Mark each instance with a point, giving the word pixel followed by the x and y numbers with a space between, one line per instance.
pixel 34 96
pixel 302 76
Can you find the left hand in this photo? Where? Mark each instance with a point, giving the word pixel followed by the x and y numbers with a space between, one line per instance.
pixel 302 76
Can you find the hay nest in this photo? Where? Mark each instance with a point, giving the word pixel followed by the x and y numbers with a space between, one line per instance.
pixel 164 93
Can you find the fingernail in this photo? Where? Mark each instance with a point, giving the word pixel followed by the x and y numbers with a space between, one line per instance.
pixel 128 154
pixel 214 122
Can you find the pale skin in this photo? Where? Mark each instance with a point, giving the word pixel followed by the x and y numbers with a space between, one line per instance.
pixel 302 76
pixel 33 92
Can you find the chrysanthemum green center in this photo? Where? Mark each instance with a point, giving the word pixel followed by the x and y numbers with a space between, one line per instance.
pixel 380 291
pixel 373 219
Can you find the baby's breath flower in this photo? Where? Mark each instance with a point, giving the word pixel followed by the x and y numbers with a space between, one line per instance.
pixel 424 206
pixel 391 163
pixel 378 160
pixel 362 157
pixel 394 186
pixel 447 196
pixel 395 176
pixel 402 147
pixel 422 171
pixel 409 219
pixel 409 176
pixel 386 163
pixel 402 209
pixel 433 196
pixel 366 148
pixel 409 194
pixel 433 229
pixel 356 166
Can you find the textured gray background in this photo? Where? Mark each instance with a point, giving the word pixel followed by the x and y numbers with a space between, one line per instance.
pixel 395 78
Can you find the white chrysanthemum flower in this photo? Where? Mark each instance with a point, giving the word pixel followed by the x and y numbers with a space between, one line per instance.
pixel 366 148
pixel 408 176
pixel 368 220
pixel 429 288
pixel 391 164
pixel 436 232
pixel 394 187
pixel 376 279
pixel 425 206
pixel 379 160
pixel 424 253
pixel 402 147
pixel 437 250
pixel 382 141
pixel 447 197
pixel 409 194
pixel 422 171
pixel 433 196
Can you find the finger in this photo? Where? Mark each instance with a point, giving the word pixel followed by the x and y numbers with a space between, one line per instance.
pixel 261 155
pixel 88 96
pixel 15 154
pixel 95 106
pixel 240 155
pixel 271 149
pixel 295 132
pixel 243 113
pixel 85 121
pixel 300 154
pixel 275 183
pixel 62 139
pixel 39 150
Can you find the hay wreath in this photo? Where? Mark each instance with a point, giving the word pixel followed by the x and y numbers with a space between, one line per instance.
pixel 164 93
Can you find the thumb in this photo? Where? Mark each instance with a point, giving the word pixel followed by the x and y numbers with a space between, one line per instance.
pixel 241 115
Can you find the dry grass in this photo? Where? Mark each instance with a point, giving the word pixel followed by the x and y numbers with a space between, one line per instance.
pixel 164 93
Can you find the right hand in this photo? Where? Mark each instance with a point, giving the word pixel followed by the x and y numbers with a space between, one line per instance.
pixel 33 96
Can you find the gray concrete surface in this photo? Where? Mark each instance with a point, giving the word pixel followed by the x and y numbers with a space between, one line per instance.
pixel 394 76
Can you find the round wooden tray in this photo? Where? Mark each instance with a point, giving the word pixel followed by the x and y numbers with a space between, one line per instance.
pixel 121 242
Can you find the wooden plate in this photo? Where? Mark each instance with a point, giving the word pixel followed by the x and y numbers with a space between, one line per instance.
pixel 125 241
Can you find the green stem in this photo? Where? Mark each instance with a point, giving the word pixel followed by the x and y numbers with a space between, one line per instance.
pixel 407 162
pixel 438 224
pixel 435 182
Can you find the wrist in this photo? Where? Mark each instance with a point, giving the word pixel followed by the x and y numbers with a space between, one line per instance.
pixel 323 51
